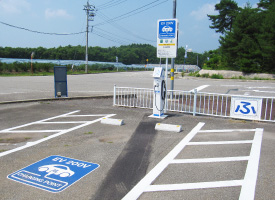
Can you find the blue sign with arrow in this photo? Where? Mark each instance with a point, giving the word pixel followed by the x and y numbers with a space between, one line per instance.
pixel 53 174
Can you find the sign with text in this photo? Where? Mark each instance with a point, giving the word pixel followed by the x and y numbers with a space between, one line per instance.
pixel 246 108
pixel 53 174
pixel 167 40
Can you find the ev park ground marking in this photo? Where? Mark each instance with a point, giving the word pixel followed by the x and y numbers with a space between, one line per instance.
pixel 248 184
pixel 53 174
pixel 58 132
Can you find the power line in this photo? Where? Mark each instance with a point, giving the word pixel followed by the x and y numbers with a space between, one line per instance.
pixel 111 4
pixel 40 32
pixel 133 12
pixel 120 28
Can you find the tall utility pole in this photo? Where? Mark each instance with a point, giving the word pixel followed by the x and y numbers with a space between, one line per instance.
pixel 173 59
pixel 90 11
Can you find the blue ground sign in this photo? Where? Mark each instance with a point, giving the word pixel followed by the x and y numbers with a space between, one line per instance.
pixel 53 174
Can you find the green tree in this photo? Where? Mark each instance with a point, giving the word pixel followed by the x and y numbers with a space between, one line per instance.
pixel 223 22
pixel 265 4
pixel 241 47
pixel 267 39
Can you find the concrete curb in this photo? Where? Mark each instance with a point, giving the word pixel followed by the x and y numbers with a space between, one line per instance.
pixel 57 99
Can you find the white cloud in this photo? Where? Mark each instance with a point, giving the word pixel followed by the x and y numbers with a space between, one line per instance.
pixel 202 12
pixel 14 6
pixel 59 13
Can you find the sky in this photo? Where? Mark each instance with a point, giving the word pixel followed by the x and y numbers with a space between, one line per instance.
pixel 116 22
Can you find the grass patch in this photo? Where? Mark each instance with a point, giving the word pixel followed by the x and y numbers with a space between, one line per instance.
pixel 2 150
pixel 205 75
pixel 88 133
pixel 217 76
pixel 195 74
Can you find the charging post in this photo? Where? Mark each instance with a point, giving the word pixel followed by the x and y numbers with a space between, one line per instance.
pixel 159 93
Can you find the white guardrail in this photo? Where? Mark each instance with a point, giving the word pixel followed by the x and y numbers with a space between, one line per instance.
pixel 212 104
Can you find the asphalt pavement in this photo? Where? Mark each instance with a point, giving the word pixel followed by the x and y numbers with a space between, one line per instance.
pixel 215 158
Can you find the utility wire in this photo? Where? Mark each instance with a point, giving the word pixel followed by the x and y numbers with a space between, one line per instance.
pixel 111 4
pixel 133 12
pixel 120 28
pixel 22 28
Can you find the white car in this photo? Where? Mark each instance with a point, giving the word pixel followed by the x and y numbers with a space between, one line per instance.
pixel 60 170
pixel 167 29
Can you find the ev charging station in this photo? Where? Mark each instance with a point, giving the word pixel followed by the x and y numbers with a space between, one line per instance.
pixel 167 45
pixel 159 93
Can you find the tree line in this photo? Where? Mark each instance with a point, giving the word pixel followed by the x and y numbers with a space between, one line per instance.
pixel 128 54
pixel 248 37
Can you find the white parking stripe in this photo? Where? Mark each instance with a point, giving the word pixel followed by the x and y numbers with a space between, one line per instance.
pixel 221 142
pixel 206 160
pixel 248 184
pixel 30 144
pixel 199 88
pixel 227 130
pixel 192 186
pixel 156 171
pixel 21 126
pixel 250 179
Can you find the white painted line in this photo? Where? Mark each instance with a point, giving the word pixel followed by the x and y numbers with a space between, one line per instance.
pixel 191 186
pixel 250 179
pixel 21 126
pixel 30 144
pixel 207 160
pixel 156 171
pixel 33 131
pixel 227 130
pixel 98 115
pixel 199 88
pixel 221 142
pixel 71 122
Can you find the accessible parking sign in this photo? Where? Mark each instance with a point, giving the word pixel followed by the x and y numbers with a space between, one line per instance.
pixel 53 174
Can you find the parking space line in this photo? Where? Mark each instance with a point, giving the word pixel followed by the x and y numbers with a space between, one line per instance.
pixel 221 142
pixel 250 179
pixel 192 186
pixel 248 184
pixel 60 132
pixel 227 130
pixel 199 88
pixel 206 160
pixel 21 126
pixel 33 131
pixel 156 171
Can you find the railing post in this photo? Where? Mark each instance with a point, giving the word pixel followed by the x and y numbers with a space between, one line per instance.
pixel 114 97
pixel 195 102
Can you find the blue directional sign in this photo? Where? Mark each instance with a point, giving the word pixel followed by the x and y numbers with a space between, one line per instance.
pixel 167 29
pixel 53 174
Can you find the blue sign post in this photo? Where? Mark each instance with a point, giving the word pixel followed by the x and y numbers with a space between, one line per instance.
pixel 167 40
pixel 53 174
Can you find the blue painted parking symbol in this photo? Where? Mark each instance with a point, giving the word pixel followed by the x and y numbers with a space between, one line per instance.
pixel 53 174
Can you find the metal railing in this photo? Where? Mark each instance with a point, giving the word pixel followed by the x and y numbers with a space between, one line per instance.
pixel 192 102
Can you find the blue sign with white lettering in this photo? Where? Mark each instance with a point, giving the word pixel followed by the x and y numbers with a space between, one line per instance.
pixel 167 29
pixel 54 173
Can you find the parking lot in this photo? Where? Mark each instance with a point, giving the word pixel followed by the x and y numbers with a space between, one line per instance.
pixel 217 155
pixel 60 149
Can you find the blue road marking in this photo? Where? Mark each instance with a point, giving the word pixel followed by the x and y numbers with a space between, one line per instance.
pixel 53 174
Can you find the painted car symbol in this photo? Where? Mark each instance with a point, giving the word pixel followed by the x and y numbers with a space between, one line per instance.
pixel 60 170
pixel 167 29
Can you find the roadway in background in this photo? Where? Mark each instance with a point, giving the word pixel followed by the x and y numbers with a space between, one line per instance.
pixel 38 87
